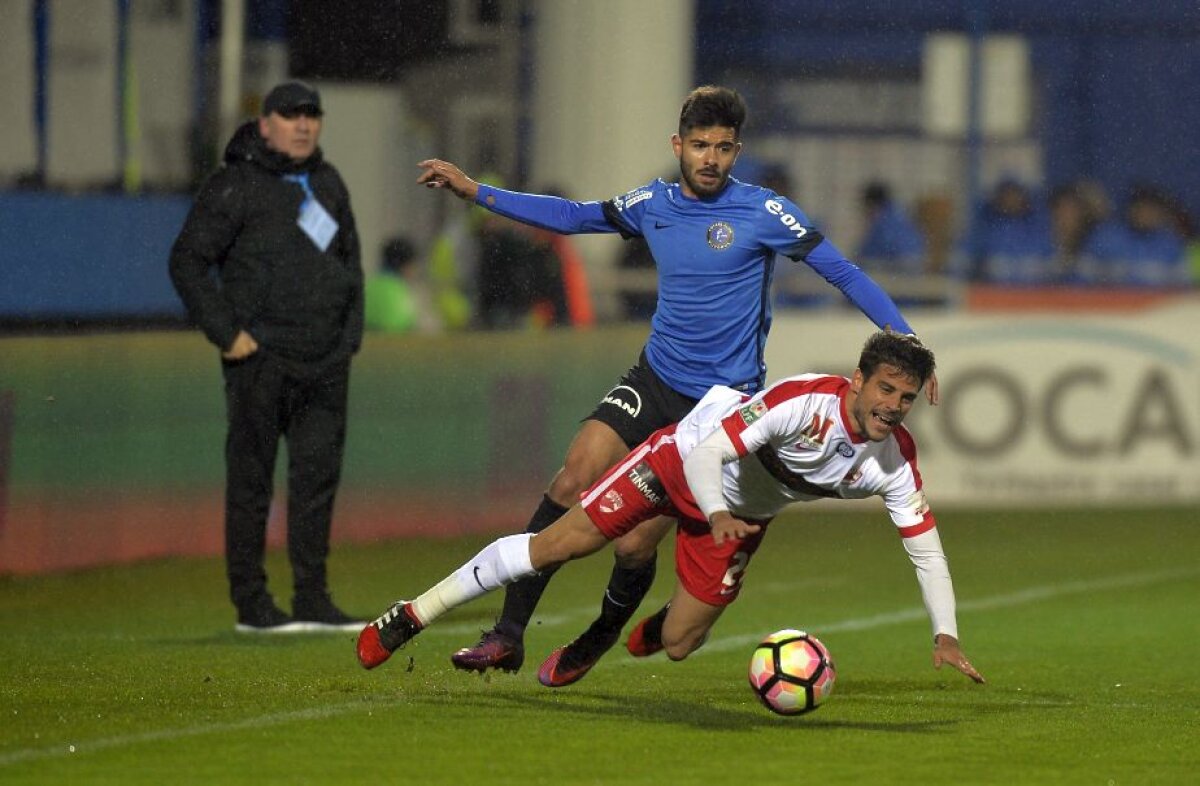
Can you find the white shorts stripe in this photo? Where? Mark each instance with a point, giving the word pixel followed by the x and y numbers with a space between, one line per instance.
pixel 633 458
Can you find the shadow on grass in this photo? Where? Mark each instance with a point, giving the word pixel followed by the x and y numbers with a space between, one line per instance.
pixel 663 710
pixel 954 693
pixel 232 638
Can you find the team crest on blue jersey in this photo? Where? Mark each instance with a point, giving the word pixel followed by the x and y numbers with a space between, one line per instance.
pixel 720 236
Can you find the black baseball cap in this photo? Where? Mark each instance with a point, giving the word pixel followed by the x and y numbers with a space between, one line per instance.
pixel 293 97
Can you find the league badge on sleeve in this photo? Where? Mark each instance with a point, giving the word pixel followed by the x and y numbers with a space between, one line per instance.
pixel 752 412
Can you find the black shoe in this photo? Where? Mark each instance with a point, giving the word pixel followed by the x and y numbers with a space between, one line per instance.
pixel 569 663
pixel 261 615
pixel 317 613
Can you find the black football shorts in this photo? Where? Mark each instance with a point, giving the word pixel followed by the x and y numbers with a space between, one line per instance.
pixel 640 404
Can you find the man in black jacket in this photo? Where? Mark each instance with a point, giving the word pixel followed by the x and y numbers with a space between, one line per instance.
pixel 286 312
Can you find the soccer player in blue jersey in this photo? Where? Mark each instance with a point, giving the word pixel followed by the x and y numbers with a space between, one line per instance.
pixel 714 241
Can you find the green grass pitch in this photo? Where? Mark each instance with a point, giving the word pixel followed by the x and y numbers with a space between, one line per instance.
pixel 1085 623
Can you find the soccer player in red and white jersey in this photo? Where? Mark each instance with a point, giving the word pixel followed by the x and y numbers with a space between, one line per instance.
pixel 724 472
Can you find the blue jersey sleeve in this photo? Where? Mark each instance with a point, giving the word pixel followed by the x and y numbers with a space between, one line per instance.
pixel 786 230
pixel 547 212
pixel 859 288
pixel 625 212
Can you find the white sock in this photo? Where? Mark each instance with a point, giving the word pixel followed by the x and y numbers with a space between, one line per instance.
pixel 500 563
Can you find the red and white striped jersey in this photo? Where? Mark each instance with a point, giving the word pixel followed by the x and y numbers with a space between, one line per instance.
pixel 795 443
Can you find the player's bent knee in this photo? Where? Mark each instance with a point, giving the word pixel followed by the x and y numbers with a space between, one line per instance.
pixel 632 561
pixel 640 545
pixel 634 553
pixel 567 485
pixel 678 648
pixel 595 448
pixel 571 537
pixel 680 644
pixel 677 653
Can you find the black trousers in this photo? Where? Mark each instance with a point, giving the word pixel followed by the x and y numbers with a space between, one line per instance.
pixel 265 403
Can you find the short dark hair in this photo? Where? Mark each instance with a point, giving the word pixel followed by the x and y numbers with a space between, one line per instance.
pixel 710 105
pixel 397 253
pixel 876 194
pixel 903 351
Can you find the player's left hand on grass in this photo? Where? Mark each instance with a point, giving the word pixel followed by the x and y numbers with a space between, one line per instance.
pixel 946 650
pixel 726 527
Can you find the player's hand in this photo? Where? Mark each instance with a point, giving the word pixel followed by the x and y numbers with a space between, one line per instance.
pixel 243 346
pixel 726 527
pixel 931 390
pixel 442 174
pixel 945 650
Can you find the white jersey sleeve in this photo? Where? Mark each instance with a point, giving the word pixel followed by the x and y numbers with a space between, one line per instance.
pixel 933 574
pixel 703 468
pixel 902 488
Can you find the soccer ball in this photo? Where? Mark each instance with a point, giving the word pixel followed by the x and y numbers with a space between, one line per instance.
pixel 791 672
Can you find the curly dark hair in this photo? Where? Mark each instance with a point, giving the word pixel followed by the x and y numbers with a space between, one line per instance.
pixel 903 351
pixel 711 105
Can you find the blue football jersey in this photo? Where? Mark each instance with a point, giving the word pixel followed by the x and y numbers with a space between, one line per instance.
pixel 715 259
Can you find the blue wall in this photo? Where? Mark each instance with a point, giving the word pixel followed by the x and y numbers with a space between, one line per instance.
pixel 95 256
pixel 1117 83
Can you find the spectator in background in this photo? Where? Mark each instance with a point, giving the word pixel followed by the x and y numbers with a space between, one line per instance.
pixel 578 310
pixel 1144 249
pixel 1076 209
pixel 487 271
pixel 776 178
pixel 285 310
pixel 397 300
pixel 454 270
pixel 1185 225
pixel 1011 241
pixel 519 277
pixel 935 222
pixel 892 242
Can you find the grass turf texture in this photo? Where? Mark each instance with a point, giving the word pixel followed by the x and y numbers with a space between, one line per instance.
pixel 1084 623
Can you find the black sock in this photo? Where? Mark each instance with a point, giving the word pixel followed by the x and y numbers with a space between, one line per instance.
pixel 521 598
pixel 626 588
pixel 652 632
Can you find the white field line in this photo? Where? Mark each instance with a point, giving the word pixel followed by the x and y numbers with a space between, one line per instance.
pixel 722 644
pixel 917 613
pixel 64 750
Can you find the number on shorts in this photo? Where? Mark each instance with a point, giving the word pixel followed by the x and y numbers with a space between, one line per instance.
pixel 734 574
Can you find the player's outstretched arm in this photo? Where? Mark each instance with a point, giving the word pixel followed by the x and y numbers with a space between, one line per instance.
pixel 437 173
pixel 946 650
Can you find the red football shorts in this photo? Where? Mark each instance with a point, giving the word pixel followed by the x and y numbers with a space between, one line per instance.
pixel 649 482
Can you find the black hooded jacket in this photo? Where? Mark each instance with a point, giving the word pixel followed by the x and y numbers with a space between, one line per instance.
pixel 302 305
